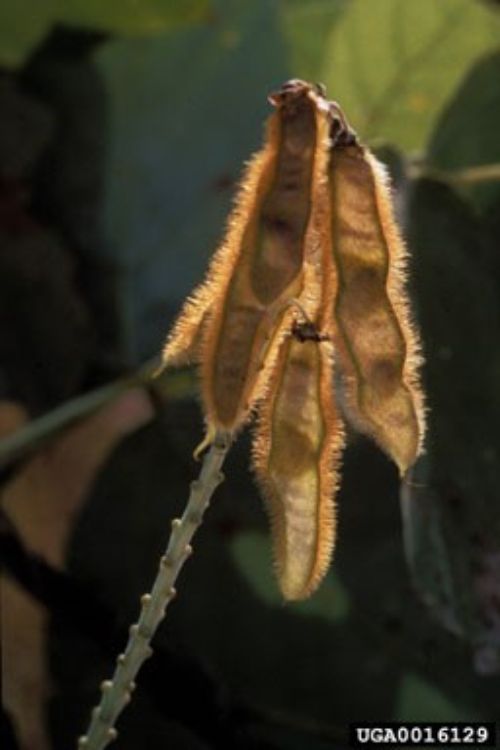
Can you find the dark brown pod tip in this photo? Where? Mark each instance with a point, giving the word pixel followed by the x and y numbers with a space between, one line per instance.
pixel 341 133
pixel 289 92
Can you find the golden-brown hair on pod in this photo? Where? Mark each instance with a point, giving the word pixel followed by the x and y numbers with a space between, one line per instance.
pixel 231 320
pixel 376 343
pixel 299 434
pixel 296 453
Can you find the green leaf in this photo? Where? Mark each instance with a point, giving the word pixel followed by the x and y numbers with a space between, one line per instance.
pixel 307 25
pixel 21 32
pixel 418 700
pixel 185 111
pixel 252 554
pixel 394 67
pixel 466 134
pixel 451 511
pixel 133 18
pixel 24 24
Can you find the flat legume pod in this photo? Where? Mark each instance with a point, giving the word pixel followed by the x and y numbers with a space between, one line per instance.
pixel 376 342
pixel 296 453
pixel 258 269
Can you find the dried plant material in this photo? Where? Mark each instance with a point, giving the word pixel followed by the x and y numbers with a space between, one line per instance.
pixel 42 502
pixel 25 671
pixel 257 272
pixel 377 343
pixel 299 436
pixel 183 343
pixel 23 625
pixel 297 448
pixel 310 271
pixel 312 235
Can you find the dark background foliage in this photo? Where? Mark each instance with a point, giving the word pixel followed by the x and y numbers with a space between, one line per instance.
pixel 123 129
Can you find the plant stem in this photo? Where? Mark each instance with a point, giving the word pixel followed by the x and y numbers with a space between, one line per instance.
pixel 43 429
pixel 466 176
pixel 117 691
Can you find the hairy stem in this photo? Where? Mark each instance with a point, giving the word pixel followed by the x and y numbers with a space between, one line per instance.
pixel 117 691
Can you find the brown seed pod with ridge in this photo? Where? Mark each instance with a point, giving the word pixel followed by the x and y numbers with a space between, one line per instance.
pixel 257 272
pixel 298 441
pixel 184 341
pixel 375 339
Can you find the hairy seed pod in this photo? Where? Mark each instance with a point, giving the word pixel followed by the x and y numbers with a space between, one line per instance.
pixel 258 270
pixel 184 341
pixel 376 342
pixel 296 452
pixel 299 434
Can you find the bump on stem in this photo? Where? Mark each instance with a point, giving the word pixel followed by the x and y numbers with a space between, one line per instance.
pixel 116 692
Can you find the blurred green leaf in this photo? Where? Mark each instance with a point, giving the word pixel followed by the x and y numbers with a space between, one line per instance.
pixel 466 134
pixel 307 25
pixel 393 67
pixel 185 111
pixel 451 511
pixel 253 556
pixel 24 24
pixel 418 700
pixel 21 32
pixel 131 17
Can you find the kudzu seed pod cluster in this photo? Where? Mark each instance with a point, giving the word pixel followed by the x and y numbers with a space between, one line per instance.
pixel 232 319
pixel 309 279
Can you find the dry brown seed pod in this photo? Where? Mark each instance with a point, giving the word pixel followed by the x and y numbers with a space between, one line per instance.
pixel 375 339
pixel 299 435
pixel 183 343
pixel 258 270
pixel 296 454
